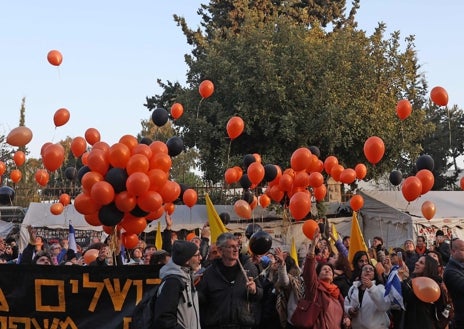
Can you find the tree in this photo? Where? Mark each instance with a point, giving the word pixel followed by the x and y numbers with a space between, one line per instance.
pixel 294 86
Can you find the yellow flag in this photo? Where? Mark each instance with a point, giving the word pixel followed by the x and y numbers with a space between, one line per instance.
pixel 334 233
pixel 159 239
pixel 356 238
pixel 293 252
pixel 215 223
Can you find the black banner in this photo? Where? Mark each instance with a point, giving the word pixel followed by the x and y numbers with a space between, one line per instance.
pixel 61 297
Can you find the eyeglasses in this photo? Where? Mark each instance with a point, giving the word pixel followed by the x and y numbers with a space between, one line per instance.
pixel 368 269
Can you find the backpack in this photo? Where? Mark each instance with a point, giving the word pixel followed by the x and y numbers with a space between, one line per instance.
pixel 144 312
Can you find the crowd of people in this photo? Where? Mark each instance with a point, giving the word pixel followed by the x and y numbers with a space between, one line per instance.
pixel 224 285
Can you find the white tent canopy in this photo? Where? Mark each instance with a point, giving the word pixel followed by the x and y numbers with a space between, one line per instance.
pixel 388 215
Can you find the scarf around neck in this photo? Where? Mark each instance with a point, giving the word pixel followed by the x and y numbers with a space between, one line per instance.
pixel 331 288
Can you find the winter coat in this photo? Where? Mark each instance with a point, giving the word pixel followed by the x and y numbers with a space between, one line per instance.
pixel 373 308
pixel 177 303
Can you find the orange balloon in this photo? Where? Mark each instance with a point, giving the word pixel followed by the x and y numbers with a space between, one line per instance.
pixel 143 149
pixel 170 191
pixel 177 110
pixel 235 127
pixel 309 227
pixel 2 168
pixel 285 182
pixel 329 163
pixel 78 146
pixel 85 205
pixel 54 57
pixel 92 135
pixel 90 255
pixel 119 155
pixel 439 96
pixel 403 109
pixel 254 202
pixel 264 201
pixel 155 214
pixel 89 179
pixel 300 159
pixel 101 146
pixel 61 117
pixel 427 179
pixel 461 182
pixel 102 193
pixel 428 209
pixel 190 197
pixel 411 188
pixel 42 177
pixel 242 209
pixel 374 149
pixel 93 219
pixel 130 240
pixel 206 88
pixel 53 157
pixel 337 171
pixel 316 179
pixel 356 202
pixel 169 207
pixel 98 160
pixel 138 183
pixel 159 147
pixel 320 192
pixel 85 158
pixel 157 179
pixel 19 136
pixel 231 176
pixel 125 201
pixel 301 179
pixel 137 163
pixel 65 199
pixel 426 289
pixel 150 201
pixel 19 158
pixel 129 140
pixel 16 175
pixel 275 193
pixel 300 205
pixel 133 225
pixel 257 157
pixel 239 171
pixel 348 176
pixel 255 172
pixel 361 171
pixel 161 161
pixel 56 208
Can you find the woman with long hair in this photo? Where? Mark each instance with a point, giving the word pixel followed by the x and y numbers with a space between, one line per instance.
pixel 420 314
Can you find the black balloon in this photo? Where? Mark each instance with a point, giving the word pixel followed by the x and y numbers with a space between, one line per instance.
pixel 252 229
pixel 175 146
pixel 396 177
pixel 260 243
pixel 81 172
pixel 270 172
pixel 146 141
pixel 7 195
pixel 117 177
pixel 138 212
pixel 247 196
pixel 425 161
pixel 160 116
pixel 248 159
pixel 245 181
pixel 225 217
pixel 315 150
pixel 110 215
pixel 70 173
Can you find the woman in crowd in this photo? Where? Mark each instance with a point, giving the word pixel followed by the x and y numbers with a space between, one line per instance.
pixel 365 302
pixel 360 258
pixel 319 284
pixel 342 272
pixel 420 314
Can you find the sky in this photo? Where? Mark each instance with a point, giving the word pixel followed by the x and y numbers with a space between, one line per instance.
pixel 114 51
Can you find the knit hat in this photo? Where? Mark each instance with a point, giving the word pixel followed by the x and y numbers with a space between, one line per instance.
pixel 182 251
pixel 440 233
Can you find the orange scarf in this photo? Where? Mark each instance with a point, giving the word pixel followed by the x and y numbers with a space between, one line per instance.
pixel 421 251
pixel 331 288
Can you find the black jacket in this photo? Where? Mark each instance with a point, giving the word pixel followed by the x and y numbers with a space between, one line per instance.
pixel 454 281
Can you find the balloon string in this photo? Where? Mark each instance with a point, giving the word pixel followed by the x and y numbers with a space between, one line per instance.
pixel 228 153
pixel 449 126
pixel 198 108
